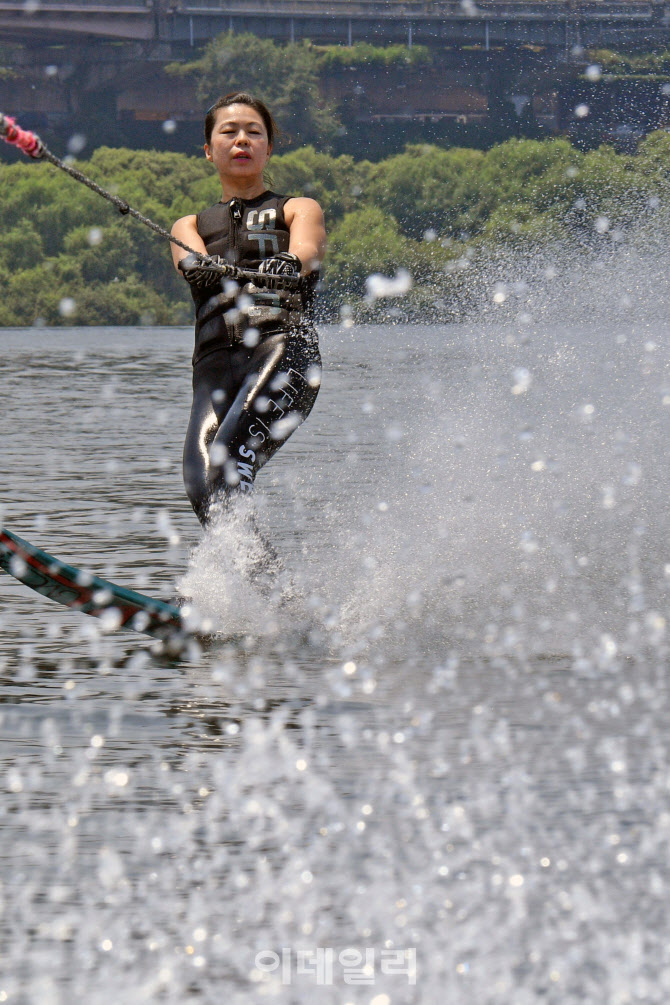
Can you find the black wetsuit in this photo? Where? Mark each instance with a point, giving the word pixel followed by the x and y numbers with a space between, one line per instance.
pixel 256 364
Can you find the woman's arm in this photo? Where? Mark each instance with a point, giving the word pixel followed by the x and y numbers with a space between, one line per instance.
pixel 308 232
pixel 185 230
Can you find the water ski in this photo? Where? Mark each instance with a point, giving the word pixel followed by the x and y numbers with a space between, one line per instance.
pixel 117 606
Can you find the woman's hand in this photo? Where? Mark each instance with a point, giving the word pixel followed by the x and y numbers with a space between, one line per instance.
pixel 283 264
pixel 198 273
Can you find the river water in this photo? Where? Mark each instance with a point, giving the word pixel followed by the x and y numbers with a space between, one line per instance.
pixel 440 772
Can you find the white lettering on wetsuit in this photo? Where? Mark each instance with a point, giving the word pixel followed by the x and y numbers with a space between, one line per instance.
pixel 244 470
pixel 259 431
pixel 263 220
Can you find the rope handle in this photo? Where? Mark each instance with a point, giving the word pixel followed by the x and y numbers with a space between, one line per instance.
pixel 32 145
pixel 21 138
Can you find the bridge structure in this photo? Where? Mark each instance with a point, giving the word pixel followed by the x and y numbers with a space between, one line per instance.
pixel 68 59
pixel 173 25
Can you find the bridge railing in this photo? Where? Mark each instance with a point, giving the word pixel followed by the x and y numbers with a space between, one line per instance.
pixel 81 6
pixel 427 9
pixel 436 8
pixel 382 9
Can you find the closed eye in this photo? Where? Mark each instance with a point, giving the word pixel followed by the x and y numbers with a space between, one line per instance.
pixel 231 129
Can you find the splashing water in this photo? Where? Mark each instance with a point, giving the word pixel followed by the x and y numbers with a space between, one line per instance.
pixel 235 577
pixel 450 748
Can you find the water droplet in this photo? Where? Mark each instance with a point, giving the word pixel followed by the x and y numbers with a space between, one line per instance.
pixel 67 306
pixel 251 337
pixel 14 780
pixel 283 427
pixel 76 144
pixel 18 566
pixel 382 286
pixel 523 378
pixel 111 619
pixel 499 293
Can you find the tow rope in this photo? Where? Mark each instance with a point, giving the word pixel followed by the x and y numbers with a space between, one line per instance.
pixel 33 147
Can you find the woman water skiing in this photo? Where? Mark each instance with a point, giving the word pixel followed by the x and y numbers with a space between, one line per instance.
pixel 256 363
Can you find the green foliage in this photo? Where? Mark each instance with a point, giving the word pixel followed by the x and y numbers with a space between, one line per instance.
pixel 632 63
pixel 286 77
pixel 426 188
pixel 62 242
pixel 22 246
pixel 365 54
pixel 337 183
pixel 653 157
pixel 611 186
pixel 425 209
pixel 370 241
pixel 365 241
pixel 7 58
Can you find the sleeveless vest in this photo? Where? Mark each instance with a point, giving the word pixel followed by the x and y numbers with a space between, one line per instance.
pixel 244 232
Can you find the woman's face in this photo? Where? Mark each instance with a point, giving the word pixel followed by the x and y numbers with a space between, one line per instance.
pixel 239 146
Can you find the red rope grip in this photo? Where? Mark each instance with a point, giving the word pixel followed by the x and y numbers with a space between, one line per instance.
pixel 21 138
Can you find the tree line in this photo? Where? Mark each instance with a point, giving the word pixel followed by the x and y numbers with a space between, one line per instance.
pixel 67 258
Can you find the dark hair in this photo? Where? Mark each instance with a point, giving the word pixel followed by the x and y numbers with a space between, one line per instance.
pixel 241 98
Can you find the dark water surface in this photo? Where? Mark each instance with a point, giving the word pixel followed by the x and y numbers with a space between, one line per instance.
pixel 453 743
